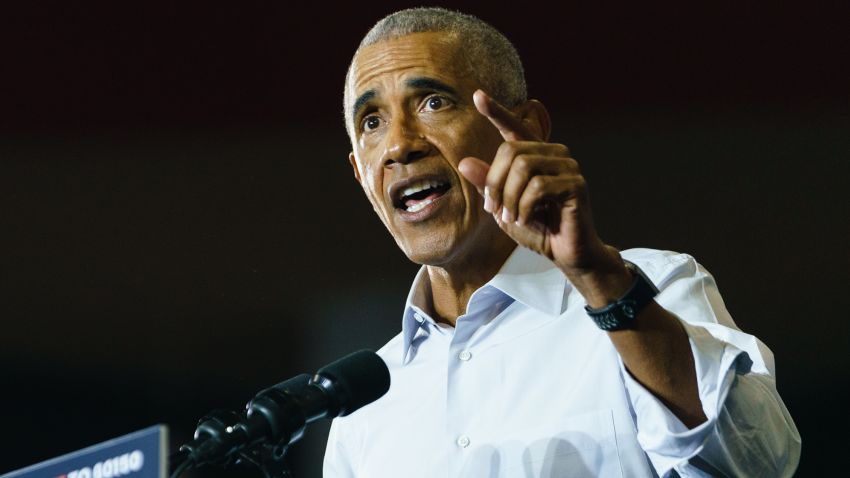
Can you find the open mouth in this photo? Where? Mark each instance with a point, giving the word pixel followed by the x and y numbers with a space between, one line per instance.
pixel 417 195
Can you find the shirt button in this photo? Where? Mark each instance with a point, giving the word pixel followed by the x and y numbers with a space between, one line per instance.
pixel 465 355
pixel 418 317
pixel 463 441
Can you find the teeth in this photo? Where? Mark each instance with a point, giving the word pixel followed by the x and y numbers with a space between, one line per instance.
pixel 419 186
pixel 418 206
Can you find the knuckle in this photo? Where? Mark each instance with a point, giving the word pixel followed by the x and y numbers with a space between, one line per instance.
pixel 537 184
pixel 560 149
pixel 523 163
pixel 508 148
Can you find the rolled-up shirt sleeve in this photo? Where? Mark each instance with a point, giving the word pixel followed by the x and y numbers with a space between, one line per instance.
pixel 749 432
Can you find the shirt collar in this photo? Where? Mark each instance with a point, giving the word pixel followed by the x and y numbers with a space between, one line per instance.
pixel 526 276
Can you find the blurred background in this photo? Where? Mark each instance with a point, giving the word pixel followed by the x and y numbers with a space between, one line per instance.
pixel 181 227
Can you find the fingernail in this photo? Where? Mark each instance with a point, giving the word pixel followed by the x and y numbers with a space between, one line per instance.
pixel 488 203
pixel 506 216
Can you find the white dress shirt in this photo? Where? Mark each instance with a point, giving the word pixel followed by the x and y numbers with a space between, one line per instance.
pixel 526 385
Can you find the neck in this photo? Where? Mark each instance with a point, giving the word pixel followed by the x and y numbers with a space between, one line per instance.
pixel 453 284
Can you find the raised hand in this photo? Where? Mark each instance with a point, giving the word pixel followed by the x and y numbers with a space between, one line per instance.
pixel 536 192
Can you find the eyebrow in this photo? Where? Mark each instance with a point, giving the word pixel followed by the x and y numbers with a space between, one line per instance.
pixel 418 83
pixel 425 83
pixel 361 102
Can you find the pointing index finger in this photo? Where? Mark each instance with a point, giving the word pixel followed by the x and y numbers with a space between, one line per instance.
pixel 509 125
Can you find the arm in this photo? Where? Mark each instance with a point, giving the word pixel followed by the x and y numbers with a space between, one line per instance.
pixel 748 431
pixel 538 196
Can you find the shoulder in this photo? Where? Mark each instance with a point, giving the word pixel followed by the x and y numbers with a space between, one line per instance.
pixel 391 354
pixel 664 266
pixel 686 288
pixel 344 427
pixel 392 351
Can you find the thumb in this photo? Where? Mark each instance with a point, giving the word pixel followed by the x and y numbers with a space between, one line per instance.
pixel 475 171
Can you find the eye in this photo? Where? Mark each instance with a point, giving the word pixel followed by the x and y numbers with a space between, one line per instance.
pixel 371 122
pixel 435 103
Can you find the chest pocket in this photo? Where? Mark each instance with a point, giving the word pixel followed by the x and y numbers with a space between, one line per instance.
pixel 577 446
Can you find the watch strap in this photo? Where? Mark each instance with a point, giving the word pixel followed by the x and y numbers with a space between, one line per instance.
pixel 622 312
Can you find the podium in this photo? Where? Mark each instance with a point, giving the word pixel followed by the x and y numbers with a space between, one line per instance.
pixel 142 454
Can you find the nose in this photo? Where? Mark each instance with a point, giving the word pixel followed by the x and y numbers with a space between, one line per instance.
pixel 404 143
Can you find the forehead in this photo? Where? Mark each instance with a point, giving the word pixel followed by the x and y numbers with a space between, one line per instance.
pixel 387 63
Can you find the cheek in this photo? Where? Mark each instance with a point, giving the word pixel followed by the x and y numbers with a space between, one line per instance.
pixel 470 136
pixel 372 183
pixel 485 139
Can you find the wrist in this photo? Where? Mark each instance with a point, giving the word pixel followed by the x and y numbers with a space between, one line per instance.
pixel 621 313
pixel 602 281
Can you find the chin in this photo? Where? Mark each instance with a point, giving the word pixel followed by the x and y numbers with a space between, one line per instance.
pixel 436 250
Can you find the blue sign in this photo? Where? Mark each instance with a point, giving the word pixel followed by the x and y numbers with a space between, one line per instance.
pixel 138 455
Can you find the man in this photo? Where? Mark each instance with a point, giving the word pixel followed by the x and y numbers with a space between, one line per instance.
pixel 529 347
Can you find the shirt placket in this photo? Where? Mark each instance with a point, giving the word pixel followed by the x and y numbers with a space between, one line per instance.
pixel 460 399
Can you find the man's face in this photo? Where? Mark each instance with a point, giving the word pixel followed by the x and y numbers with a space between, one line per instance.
pixel 413 121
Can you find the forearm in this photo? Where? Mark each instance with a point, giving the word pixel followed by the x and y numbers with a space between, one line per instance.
pixel 657 354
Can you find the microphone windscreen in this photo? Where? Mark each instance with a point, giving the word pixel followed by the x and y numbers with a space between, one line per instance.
pixel 359 379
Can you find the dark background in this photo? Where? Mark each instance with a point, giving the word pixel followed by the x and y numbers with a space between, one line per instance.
pixel 180 225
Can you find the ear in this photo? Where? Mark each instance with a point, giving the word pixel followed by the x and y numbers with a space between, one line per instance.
pixel 536 118
pixel 353 161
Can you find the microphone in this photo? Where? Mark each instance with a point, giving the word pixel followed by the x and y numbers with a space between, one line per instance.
pixel 279 414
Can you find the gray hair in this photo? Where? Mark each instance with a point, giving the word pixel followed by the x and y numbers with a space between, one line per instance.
pixel 494 59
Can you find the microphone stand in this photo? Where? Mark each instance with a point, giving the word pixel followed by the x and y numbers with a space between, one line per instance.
pixel 278 415
pixel 269 458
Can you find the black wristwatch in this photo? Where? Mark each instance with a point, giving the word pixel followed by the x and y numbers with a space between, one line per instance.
pixel 621 313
